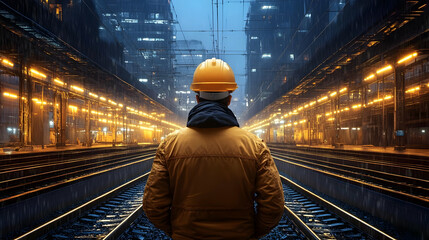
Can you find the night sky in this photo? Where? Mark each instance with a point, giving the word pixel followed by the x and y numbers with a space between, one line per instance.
pixel 195 18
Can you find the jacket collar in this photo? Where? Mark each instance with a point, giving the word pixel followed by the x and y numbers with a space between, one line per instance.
pixel 210 114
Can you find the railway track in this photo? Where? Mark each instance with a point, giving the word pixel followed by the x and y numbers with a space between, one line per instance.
pixel 96 218
pixel 387 179
pixel 401 164
pixel 118 214
pixel 318 218
pixel 18 182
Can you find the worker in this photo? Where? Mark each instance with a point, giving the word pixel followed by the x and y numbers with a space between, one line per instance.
pixel 207 177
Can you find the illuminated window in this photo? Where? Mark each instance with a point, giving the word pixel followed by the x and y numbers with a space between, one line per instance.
pixel 151 39
pixel 265 7
pixel 129 20
pixel 253 38
pixel 253 69
pixel 266 55
pixel 292 56
pixel 156 21
pixel 143 80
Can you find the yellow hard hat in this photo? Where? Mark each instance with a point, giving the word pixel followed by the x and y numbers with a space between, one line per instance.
pixel 213 75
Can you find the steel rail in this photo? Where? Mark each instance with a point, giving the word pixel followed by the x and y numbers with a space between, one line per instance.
pixel 32 165
pixel 373 162
pixel 64 170
pixel 394 193
pixel 346 216
pixel 302 227
pixel 78 211
pixel 7 200
pixel 125 224
pixel 403 183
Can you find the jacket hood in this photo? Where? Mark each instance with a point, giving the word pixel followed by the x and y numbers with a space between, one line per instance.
pixel 210 114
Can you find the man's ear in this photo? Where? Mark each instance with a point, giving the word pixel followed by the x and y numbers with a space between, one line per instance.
pixel 229 99
pixel 198 98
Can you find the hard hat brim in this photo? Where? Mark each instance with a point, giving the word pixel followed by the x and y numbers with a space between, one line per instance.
pixel 213 86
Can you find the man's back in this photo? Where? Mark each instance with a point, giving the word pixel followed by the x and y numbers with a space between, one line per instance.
pixel 206 178
pixel 213 175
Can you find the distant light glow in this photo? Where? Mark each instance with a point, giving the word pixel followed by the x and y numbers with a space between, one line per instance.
pixel 266 55
pixel 143 80
pixel 253 69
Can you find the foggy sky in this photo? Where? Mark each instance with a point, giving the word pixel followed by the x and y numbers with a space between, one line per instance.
pixel 195 18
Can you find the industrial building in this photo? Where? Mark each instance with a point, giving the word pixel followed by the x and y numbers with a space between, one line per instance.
pixel 336 73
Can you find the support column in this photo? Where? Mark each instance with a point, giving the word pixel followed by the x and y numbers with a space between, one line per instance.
pixel 60 117
pixel 88 140
pixel 29 107
pixel 22 105
pixel 115 127
pixel 399 109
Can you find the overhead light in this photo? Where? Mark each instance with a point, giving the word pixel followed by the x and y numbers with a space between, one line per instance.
pixel 58 81
pixel 322 99
pixel 408 57
pixel 10 95
pixel 384 69
pixel 411 90
pixel 77 88
pixel 369 77
pixel 37 74
pixel 7 63
pixel 93 95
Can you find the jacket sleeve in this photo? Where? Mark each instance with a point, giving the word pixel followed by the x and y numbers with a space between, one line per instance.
pixel 157 198
pixel 269 194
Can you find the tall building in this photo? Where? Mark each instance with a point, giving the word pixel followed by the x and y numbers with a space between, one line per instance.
pixel 189 54
pixel 280 40
pixel 145 28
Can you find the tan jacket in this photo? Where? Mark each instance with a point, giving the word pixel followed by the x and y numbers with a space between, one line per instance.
pixel 204 182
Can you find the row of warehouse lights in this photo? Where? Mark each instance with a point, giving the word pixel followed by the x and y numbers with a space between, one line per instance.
pixel 77 89
pixel 267 121
pixel 142 125
pixel 389 67
pixel 108 116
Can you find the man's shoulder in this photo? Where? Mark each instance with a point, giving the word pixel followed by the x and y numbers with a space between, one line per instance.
pixel 230 130
pixel 247 134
